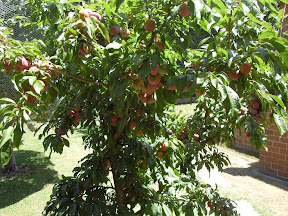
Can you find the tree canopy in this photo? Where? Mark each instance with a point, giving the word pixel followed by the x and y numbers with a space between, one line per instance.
pixel 117 69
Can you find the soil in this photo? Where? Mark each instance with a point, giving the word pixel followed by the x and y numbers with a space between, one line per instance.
pixel 244 183
pixel 22 170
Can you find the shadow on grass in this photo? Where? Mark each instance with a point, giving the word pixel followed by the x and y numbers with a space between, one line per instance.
pixel 254 171
pixel 254 153
pixel 36 170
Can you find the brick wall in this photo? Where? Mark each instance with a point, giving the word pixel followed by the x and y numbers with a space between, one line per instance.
pixel 274 161
pixel 243 142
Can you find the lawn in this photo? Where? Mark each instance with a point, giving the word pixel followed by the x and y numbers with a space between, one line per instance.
pixel 27 192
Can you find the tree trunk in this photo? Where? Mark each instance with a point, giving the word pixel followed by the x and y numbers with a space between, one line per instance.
pixel 284 21
pixel 116 175
pixel 11 166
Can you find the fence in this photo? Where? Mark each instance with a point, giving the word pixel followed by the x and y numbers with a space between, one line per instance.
pixel 9 10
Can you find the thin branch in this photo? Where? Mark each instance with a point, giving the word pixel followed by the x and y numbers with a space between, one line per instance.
pixel 229 29
pixel 202 130
pixel 282 20
pixel 105 187
pixel 87 81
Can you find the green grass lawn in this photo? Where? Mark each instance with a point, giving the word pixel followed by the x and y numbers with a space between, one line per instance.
pixel 185 109
pixel 27 193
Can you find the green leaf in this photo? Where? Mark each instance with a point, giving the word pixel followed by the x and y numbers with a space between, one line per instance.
pixel 38 86
pixel 5 108
pixel 281 123
pixel 266 35
pixel 7 100
pixel 258 140
pixel 222 91
pixel 219 6
pixel 277 99
pixel 251 7
pixel 203 41
pixel 265 54
pixel 191 8
pixel 103 30
pixel 279 44
pixel 156 209
pixel 107 9
pixel 144 70
pixel 6 154
pixel 8 31
pixel 7 134
pixel 118 3
pixel 32 80
pixel 18 133
pixel 66 142
pixel 166 210
pixel 233 98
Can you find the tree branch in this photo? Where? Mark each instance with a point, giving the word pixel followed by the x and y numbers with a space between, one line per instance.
pixel 283 17
pixel 86 81
pixel 229 29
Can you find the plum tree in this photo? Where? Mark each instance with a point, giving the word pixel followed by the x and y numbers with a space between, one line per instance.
pixel 122 90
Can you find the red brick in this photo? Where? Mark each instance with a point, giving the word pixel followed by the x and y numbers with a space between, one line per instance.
pixel 279 145
pixel 284 151
pixel 263 152
pixel 270 171
pixel 266 164
pixel 272 160
pixel 246 140
pixel 269 132
pixel 274 149
pixel 262 149
pixel 279 167
pixel 277 133
pixel 273 138
pixel 284 140
pixel 269 143
pixel 284 163
pixel 273 127
pixel 278 156
pixel 283 175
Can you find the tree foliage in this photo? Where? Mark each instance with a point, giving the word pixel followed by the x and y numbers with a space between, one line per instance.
pixel 117 68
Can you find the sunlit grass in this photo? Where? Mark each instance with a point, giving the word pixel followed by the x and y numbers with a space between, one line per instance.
pixel 185 109
pixel 27 193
